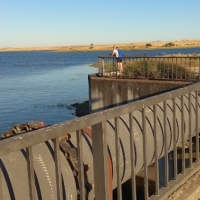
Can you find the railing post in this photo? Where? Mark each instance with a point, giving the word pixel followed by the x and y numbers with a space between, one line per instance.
pixel 58 168
pixel 156 150
pixel 146 181
pixel 31 178
pixel 80 164
pixel 199 68
pixel 183 134
pixel 132 143
pixel 190 130
pixel 117 144
pixel 175 138
pixel 197 126
pixel 100 161
pixel 1 189
pixel 103 68
pixel 166 144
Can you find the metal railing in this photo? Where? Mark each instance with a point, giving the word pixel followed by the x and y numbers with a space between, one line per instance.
pixel 98 122
pixel 166 68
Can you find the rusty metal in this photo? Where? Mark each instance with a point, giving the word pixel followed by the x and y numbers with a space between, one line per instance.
pixel 70 152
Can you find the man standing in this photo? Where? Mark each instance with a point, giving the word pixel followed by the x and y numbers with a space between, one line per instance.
pixel 119 60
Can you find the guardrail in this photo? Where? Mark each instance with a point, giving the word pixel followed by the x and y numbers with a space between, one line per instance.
pixel 188 99
pixel 165 68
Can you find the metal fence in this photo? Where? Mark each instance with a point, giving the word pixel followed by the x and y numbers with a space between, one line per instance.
pixel 165 68
pixel 180 108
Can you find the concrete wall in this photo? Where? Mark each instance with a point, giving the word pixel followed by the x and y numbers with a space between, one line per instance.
pixel 106 93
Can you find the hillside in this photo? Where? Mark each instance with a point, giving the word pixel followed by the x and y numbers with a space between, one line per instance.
pixel 99 47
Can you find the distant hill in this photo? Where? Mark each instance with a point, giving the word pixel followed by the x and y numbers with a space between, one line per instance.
pixel 98 47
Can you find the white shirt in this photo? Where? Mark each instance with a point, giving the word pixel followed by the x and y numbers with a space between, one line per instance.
pixel 115 53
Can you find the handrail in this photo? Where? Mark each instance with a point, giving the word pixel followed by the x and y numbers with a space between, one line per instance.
pixel 98 123
pixel 18 142
pixel 157 67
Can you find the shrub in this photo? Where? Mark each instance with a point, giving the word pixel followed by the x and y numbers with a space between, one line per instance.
pixel 170 44
pixel 148 45
pixel 155 69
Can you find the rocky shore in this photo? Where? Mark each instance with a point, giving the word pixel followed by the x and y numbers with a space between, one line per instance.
pixel 81 109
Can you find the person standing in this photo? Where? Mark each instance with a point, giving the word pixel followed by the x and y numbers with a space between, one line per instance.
pixel 119 60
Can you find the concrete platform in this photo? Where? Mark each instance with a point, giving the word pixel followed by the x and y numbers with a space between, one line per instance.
pixel 190 190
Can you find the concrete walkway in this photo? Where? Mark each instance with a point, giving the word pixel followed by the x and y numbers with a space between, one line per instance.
pixel 190 190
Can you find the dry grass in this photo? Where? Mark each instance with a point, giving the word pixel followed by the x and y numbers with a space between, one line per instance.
pixel 124 46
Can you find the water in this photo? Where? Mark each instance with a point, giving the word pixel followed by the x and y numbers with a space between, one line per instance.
pixel 33 85
pixel 42 85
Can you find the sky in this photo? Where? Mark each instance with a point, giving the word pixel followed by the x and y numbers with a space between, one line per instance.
pixel 34 23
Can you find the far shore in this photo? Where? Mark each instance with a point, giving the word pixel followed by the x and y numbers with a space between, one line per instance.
pixel 108 47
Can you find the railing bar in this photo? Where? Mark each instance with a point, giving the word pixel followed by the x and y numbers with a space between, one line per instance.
pixel 183 134
pixel 72 125
pixel 168 68
pixel 190 131
pixel 146 184
pixel 156 150
pixel 30 169
pixel 103 67
pixel 100 161
pixel 1 185
pixel 190 67
pixel 166 145
pixel 172 68
pixel 146 62
pixel 159 65
pixel 57 168
pixel 181 68
pixel 185 68
pixel 197 126
pixel 174 138
pixel 164 62
pixel 117 144
pixel 195 67
pixel 132 142
pixel 194 61
pixel 199 68
pixel 137 56
pixel 176 68
pixel 80 164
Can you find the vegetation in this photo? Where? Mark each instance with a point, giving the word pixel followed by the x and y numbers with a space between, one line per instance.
pixel 91 46
pixel 170 44
pixel 158 68
pixel 148 45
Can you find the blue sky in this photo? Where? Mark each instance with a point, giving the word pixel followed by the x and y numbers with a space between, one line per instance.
pixel 25 23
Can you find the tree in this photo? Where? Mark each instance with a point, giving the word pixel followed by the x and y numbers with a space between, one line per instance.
pixel 170 44
pixel 148 45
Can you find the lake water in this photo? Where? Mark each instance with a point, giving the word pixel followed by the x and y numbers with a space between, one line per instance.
pixel 42 85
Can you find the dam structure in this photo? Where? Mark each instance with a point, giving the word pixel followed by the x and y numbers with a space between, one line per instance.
pixel 138 121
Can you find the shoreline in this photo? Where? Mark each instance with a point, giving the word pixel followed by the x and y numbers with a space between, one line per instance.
pixel 108 47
